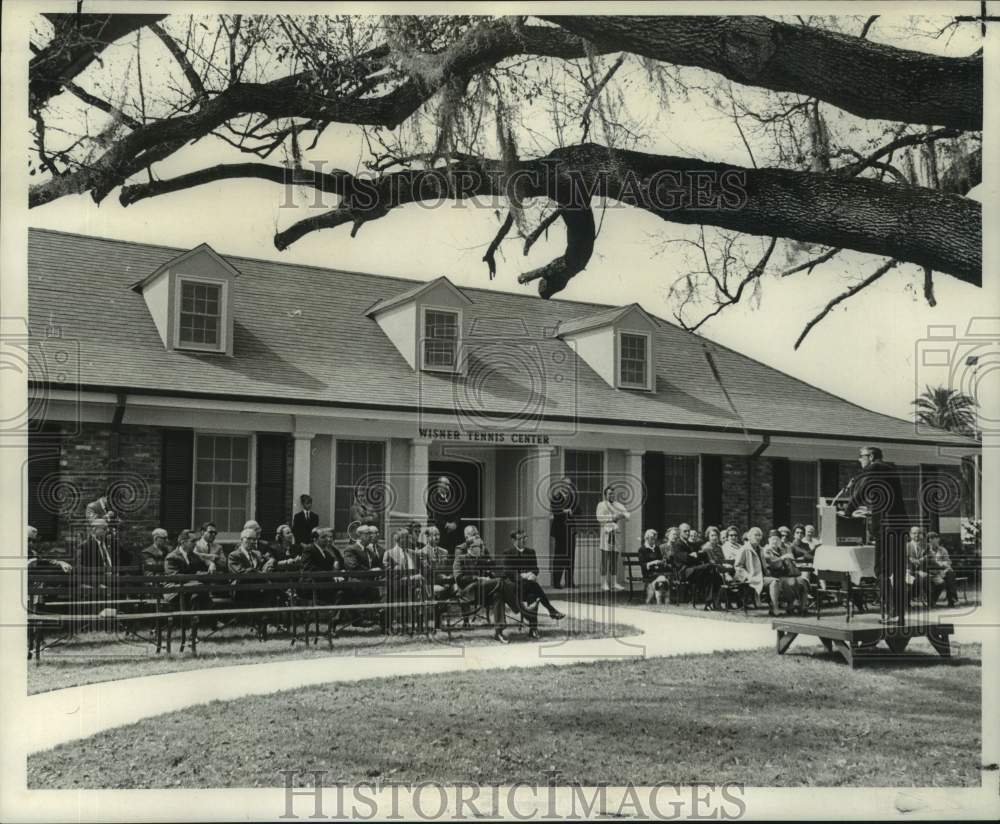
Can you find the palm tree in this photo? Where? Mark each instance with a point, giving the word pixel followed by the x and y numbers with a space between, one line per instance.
pixel 945 408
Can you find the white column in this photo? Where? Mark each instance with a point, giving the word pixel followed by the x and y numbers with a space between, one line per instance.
pixel 301 465
pixel 633 477
pixel 419 468
pixel 538 531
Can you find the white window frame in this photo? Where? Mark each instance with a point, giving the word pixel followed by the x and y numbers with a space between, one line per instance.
pixel 223 345
pixel 422 336
pixel 227 537
pixel 647 386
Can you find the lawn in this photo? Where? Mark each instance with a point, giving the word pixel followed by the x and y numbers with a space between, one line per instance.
pixel 94 657
pixel 752 717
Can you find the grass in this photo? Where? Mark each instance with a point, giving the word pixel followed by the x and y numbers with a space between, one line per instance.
pixel 93 657
pixel 754 717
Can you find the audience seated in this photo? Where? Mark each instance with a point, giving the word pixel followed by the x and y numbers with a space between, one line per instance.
pixel 282 555
pixel 43 564
pixel 916 562
pixel 939 571
pixel 801 550
pixel 404 569
pixel 654 568
pixel 786 581
pixel 478 584
pixel 731 546
pixel 151 558
pixel 748 568
pixel 184 561
pixel 719 572
pixel 210 552
pixel 519 565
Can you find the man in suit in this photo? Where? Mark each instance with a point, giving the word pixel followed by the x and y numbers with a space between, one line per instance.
pixel 304 521
pixel 184 561
pixel 246 561
pixel 362 555
pixel 564 506
pixel 361 513
pixel 151 558
pixel 321 555
pixel 208 550
pixel 404 568
pixel 478 584
pixel 940 571
pixel 519 565
pixel 100 510
pixel 916 561
pixel 444 513
pixel 99 550
pixel 876 495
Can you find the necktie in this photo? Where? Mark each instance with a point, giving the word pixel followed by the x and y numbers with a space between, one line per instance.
pixel 105 555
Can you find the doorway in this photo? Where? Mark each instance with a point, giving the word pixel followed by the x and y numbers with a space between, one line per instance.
pixel 465 498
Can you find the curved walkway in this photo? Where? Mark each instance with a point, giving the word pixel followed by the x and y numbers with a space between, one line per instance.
pixel 79 712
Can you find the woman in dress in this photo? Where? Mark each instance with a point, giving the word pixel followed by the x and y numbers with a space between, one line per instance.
pixel 611 514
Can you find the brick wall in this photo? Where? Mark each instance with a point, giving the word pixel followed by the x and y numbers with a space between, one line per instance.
pixel 86 470
pixel 762 494
pixel 735 493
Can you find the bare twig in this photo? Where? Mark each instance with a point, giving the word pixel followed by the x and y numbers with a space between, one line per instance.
pixel 809 265
pixel 868 281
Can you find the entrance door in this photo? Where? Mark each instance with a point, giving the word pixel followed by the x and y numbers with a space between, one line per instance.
pixel 464 498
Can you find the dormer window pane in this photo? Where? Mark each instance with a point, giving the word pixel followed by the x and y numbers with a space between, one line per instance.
pixel 201 317
pixel 440 339
pixel 633 360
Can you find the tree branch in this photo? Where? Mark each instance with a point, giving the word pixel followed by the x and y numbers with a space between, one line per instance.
pixel 868 281
pixel 490 257
pixel 192 76
pixel 870 80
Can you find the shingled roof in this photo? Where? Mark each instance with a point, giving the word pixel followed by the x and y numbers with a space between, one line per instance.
pixel 302 335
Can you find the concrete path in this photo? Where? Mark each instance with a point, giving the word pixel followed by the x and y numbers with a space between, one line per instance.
pixel 79 712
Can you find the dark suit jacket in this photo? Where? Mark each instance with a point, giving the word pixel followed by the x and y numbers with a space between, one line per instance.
pixel 512 563
pixel 245 562
pixel 467 568
pixel 303 525
pixel 88 554
pixel 316 559
pixel 174 563
pixel 561 526
pixel 360 558
pixel 877 488
pixel 151 560
pixel 679 558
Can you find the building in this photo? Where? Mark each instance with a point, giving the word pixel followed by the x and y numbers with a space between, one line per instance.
pixel 209 387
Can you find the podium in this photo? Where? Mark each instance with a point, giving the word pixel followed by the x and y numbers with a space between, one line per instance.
pixel 839 530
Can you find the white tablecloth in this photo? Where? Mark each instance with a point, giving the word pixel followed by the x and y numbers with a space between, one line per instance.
pixel 859 560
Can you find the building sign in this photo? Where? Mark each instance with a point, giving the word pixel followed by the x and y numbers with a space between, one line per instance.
pixel 515 438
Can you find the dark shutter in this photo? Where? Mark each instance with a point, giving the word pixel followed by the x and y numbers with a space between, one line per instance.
pixel 176 480
pixel 829 478
pixel 711 490
pixel 653 470
pixel 781 485
pixel 43 481
pixel 271 479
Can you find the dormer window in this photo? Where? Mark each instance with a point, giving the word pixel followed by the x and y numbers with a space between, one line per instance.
pixel 440 339
pixel 200 319
pixel 190 301
pixel 633 360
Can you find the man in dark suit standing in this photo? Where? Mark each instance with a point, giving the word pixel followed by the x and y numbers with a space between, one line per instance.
pixel 876 495
pixel 519 565
pixel 304 521
pixel 565 507
pixel 99 550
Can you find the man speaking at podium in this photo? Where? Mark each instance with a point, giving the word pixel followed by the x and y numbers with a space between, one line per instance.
pixel 876 495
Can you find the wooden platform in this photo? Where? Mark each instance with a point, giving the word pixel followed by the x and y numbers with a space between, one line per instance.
pixel 861 636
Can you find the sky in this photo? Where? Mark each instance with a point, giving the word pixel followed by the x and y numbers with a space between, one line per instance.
pixel 867 350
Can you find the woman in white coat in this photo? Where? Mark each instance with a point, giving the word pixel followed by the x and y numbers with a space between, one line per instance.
pixel 611 514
